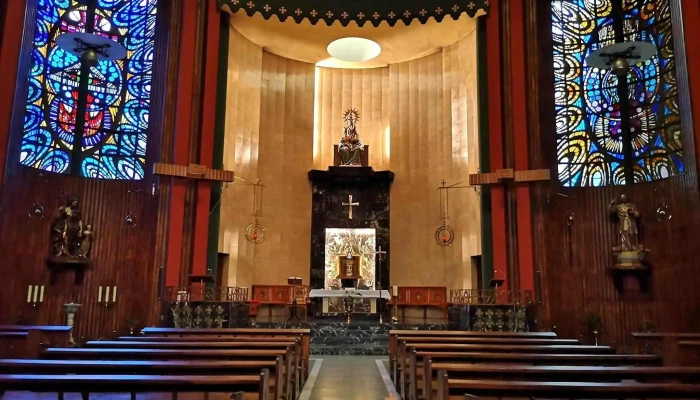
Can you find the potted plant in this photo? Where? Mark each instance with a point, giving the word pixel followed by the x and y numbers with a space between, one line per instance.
pixel 131 324
pixel 594 325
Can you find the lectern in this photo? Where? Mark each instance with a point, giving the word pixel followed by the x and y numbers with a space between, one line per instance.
pixel 349 270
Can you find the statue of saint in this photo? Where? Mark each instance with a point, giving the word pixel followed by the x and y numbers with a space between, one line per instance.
pixel 627 215
pixel 351 147
pixel 67 230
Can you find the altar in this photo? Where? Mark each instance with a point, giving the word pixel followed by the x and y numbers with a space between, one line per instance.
pixel 353 294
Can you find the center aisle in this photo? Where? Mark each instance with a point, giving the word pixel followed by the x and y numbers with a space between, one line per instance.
pixel 348 378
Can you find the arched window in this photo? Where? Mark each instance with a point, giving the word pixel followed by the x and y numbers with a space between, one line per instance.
pixel 596 146
pixel 107 140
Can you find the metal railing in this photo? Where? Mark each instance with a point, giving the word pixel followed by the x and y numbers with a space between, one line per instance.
pixel 200 293
pixel 491 296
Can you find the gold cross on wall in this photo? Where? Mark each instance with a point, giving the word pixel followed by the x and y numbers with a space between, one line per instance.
pixel 351 205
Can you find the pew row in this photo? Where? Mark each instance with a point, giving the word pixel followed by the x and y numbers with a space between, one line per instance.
pixel 457 389
pixel 87 384
pixel 26 341
pixel 417 358
pixel 303 334
pixel 553 373
pixel 406 334
pixel 278 380
pixel 292 380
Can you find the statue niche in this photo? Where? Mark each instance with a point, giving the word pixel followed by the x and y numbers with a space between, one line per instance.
pixel 71 238
pixel 351 148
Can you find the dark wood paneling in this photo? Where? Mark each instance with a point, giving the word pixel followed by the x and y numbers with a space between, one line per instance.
pixel 122 255
pixel 574 260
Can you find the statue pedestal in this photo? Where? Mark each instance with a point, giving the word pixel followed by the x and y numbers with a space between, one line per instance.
pixel 630 273
pixel 58 264
pixel 71 309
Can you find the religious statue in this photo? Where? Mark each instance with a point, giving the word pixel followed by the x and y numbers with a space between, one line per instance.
pixel 630 252
pixel 69 239
pixel 351 147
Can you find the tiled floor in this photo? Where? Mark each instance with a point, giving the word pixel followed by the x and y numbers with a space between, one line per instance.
pixel 347 378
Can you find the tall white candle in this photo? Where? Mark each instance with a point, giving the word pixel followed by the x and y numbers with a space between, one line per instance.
pixel 107 294
pixel 114 295
pixel 29 294
pixel 36 293
pixel 41 294
pixel 99 294
pixel 396 291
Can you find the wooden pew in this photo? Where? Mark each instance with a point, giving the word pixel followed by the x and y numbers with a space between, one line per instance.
pixel 554 373
pixel 296 360
pixel 457 389
pixel 86 384
pixel 303 334
pixel 88 353
pixel 416 360
pixel 401 354
pixel 175 367
pixel 408 376
pixel 395 334
pixel 666 345
pixel 27 341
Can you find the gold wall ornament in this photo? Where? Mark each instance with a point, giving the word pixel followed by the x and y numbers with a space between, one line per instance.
pixel 444 235
pixel 255 233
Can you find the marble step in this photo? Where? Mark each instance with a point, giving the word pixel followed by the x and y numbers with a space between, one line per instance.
pixel 366 350
pixel 350 340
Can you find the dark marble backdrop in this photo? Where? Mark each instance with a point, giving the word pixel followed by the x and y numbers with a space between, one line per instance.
pixel 330 189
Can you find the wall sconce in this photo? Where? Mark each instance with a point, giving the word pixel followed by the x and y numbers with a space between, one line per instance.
pixel 35 294
pixel 110 295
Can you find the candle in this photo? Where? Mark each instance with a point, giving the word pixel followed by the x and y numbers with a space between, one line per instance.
pixel 107 294
pixel 36 292
pixel 41 295
pixel 114 295
pixel 396 291
pixel 99 294
pixel 29 294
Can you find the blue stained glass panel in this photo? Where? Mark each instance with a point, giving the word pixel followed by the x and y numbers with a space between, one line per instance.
pixel 114 134
pixel 590 140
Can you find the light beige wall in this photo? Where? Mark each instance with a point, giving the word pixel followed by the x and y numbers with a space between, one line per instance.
pixel 269 136
pixel 420 120
pixel 286 146
pixel 337 90
pixel 433 138
pixel 241 148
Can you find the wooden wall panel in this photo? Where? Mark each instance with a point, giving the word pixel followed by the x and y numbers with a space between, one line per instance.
pixel 575 260
pixel 125 256
pixel 367 90
pixel 269 135
pixel 433 138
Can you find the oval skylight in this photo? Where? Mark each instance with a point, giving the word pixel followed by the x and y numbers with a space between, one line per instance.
pixel 354 49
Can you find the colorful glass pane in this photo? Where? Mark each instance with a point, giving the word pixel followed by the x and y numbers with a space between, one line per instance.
pixel 590 141
pixel 117 97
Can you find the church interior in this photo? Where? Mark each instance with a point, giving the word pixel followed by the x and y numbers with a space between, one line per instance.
pixel 281 199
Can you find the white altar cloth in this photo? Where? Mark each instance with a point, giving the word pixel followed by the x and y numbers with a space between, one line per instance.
pixel 371 295
pixel 367 294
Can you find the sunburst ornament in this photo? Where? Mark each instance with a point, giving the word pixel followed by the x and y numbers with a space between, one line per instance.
pixel 255 233
pixel 351 115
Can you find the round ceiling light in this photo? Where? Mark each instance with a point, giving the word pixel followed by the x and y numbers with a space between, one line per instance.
pixel 354 49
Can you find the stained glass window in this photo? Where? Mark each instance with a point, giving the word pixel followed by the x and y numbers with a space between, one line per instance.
pixel 593 147
pixel 113 132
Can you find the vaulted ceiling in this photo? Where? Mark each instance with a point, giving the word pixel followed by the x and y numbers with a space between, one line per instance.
pixel 307 42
